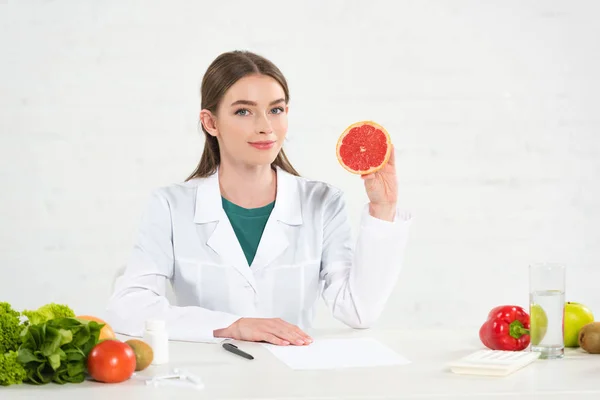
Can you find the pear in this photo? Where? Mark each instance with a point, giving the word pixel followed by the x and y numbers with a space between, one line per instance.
pixel 589 338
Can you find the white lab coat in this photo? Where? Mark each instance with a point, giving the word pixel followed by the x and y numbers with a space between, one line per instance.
pixel 305 252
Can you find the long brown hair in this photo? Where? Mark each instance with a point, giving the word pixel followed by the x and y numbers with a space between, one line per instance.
pixel 224 71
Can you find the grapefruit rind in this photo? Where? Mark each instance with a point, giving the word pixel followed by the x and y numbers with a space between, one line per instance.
pixel 372 169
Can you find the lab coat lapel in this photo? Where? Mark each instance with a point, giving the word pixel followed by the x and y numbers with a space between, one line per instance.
pixel 222 240
pixel 285 216
pixel 273 242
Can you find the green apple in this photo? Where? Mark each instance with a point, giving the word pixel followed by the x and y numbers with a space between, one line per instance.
pixel 538 323
pixel 576 317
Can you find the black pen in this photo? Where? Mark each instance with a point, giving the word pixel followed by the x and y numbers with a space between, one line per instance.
pixel 234 349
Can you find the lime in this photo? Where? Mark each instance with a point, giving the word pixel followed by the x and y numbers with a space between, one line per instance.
pixel 539 323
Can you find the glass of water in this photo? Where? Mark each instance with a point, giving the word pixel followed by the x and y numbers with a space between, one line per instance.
pixel 546 309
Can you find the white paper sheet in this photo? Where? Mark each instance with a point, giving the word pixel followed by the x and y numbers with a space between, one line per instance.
pixel 337 353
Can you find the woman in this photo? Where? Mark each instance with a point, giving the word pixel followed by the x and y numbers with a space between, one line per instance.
pixel 247 244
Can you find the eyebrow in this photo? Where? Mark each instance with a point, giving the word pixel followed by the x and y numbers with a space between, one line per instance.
pixel 253 103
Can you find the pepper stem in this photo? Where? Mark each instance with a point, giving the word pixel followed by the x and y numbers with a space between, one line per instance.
pixel 517 329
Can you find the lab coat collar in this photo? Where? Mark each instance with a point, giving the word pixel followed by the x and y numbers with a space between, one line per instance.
pixel 287 208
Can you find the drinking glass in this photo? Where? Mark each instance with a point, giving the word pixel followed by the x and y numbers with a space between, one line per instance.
pixel 547 309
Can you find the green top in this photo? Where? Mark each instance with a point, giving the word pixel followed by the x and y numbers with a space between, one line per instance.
pixel 248 225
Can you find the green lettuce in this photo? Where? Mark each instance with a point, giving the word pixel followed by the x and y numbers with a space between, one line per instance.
pixel 47 312
pixel 11 371
pixel 56 350
pixel 10 328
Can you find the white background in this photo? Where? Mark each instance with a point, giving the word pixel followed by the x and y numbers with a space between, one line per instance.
pixel 492 105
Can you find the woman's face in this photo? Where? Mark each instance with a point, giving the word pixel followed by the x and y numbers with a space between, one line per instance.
pixel 251 121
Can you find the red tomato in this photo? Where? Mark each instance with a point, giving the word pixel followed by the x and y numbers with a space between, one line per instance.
pixel 111 361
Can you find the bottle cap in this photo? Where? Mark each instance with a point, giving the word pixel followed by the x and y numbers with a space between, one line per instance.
pixel 155 325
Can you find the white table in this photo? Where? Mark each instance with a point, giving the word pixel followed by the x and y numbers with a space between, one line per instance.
pixel 227 376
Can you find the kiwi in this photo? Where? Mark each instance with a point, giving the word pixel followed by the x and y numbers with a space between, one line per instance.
pixel 589 338
pixel 143 353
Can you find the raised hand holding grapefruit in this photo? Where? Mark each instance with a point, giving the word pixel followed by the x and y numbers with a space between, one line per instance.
pixel 365 148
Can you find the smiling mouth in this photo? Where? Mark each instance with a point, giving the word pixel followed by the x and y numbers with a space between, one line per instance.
pixel 262 145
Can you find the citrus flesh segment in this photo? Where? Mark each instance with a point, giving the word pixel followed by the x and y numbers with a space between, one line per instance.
pixel 364 148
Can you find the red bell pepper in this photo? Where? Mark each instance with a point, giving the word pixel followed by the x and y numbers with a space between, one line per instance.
pixel 506 328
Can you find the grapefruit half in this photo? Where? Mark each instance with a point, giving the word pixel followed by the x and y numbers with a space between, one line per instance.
pixel 364 148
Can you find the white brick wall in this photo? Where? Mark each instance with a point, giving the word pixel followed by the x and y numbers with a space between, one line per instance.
pixel 492 105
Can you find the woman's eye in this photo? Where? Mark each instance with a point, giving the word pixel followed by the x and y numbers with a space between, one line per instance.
pixel 242 112
pixel 277 110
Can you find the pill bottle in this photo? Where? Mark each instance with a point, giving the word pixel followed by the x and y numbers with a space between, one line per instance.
pixel 157 337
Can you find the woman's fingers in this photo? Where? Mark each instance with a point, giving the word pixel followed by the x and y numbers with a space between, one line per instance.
pixel 289 332
pixel 303 334
pixel 271 330
pixel 285 333
pixel 270 338
pixel 305 338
